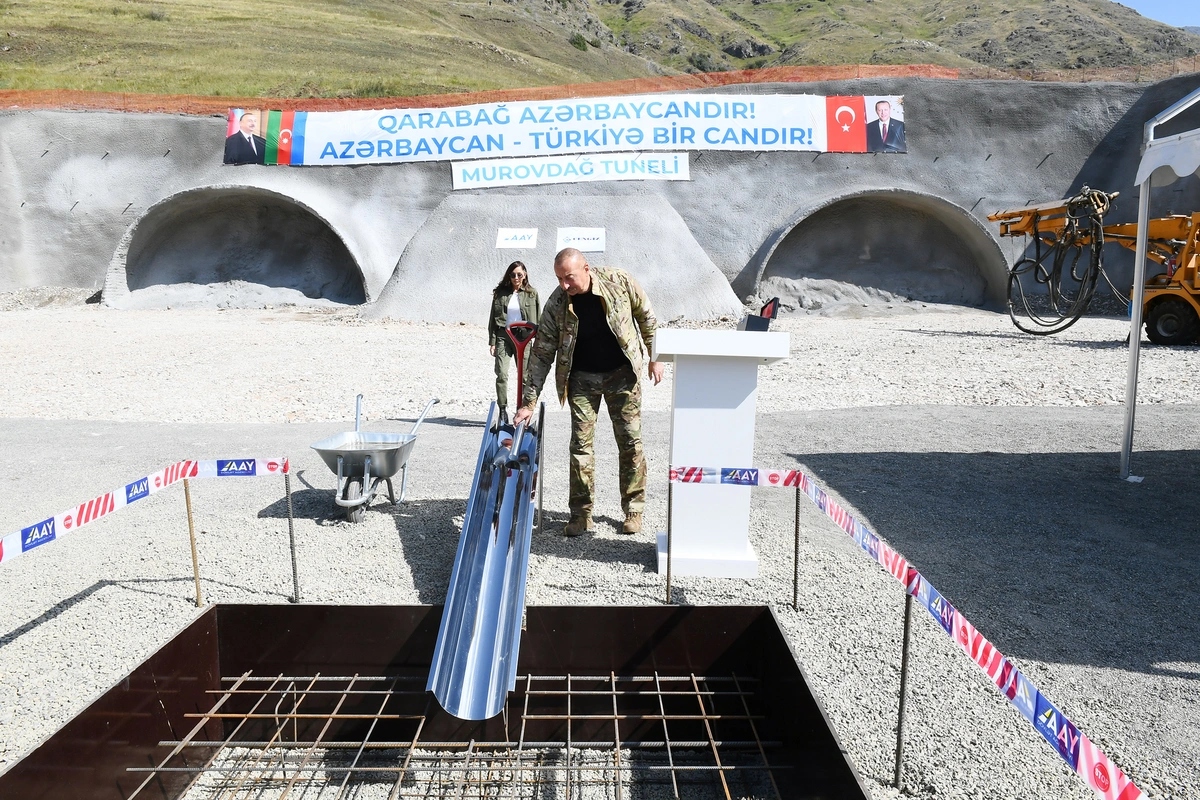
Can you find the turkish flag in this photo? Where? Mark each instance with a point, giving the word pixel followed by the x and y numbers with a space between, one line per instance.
pixel 846 124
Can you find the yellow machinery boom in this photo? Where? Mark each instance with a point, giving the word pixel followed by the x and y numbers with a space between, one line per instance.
pixel 1063 230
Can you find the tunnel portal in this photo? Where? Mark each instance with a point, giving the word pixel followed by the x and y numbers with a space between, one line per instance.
pixel 882 247
pixel 211 237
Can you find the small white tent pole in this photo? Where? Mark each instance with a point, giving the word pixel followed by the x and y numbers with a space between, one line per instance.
pixel 1135 324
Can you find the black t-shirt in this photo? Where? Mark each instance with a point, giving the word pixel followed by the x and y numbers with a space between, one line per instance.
pixel 596 348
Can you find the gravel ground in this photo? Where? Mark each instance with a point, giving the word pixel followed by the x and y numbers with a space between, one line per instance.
pixel 952 435
pixel 305 365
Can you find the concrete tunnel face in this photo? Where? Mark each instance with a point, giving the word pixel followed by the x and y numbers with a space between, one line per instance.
pixel 885 246
pixel 217 236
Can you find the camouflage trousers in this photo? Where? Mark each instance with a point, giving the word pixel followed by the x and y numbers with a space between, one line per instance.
pixel 622 393
pixel 505 353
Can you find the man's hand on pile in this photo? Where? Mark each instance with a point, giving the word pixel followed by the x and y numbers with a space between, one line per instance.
pixel 524 414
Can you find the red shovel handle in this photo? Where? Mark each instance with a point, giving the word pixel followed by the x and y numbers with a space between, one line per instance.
pixel 521 334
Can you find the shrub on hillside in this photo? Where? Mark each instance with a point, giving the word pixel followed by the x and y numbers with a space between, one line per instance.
pixel 706 63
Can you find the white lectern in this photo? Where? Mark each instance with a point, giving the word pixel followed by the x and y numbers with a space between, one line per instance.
pixel 712 425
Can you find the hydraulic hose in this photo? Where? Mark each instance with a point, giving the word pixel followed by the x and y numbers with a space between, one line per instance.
pixel 1056 265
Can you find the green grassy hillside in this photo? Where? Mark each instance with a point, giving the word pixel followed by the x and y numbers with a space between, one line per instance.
pixel 364 48
pixel 320 48
pixel 1016 34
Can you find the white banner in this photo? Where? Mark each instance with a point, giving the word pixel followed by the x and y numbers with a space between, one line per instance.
pixel 589 240
pixel 515 238
pixel 570 169
pixel 536 128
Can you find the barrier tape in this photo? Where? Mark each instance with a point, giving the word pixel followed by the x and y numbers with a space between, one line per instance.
pixel 1084 757
pixel 15 544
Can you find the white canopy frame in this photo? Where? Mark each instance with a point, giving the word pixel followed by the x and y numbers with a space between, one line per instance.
pixel 1163 161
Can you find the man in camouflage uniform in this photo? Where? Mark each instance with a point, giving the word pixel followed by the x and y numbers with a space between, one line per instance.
pixel 593 329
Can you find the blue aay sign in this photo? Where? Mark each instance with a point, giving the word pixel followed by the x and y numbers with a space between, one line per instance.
pixel 937 605
pixel 137 490
pixel 37 534
pixel 1059 731
pixel 739 477
pixel 242 466
pixel 870 543
pixel 1024 697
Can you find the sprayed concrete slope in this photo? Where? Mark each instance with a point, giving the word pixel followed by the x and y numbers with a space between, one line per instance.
pixel 141 205
pixel 81 191
pixel 645 235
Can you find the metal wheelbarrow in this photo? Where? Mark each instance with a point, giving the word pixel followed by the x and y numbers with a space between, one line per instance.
pixel 363 460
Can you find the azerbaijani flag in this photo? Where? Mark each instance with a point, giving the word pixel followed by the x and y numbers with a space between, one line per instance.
pixel 285 137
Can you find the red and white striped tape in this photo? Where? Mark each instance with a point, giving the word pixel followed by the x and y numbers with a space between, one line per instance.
pixel 1102 775
pixel 69 521
pixel 737 476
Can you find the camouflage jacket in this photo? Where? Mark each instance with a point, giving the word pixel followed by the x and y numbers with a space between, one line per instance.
pixel 629 315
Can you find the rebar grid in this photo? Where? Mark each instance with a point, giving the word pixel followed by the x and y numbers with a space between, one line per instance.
pixel 564 736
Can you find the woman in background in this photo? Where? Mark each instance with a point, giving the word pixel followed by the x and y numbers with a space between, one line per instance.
pixel 513 300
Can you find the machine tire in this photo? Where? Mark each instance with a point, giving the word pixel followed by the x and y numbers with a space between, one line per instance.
pixel 354 490
pixel 1172 321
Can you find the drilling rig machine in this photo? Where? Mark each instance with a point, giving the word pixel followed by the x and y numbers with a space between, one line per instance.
pixel 1064 231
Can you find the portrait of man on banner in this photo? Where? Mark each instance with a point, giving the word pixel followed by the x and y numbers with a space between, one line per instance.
pixel 243 144
pixel 885 125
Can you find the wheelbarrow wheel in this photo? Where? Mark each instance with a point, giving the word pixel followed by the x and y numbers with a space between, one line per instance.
pixel 354 490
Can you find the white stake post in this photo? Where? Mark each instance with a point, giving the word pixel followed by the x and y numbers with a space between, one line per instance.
pixel 1135 325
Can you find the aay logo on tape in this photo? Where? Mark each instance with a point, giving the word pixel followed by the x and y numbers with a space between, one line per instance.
pixel 37 534
pixel 137 490
pixel 50 529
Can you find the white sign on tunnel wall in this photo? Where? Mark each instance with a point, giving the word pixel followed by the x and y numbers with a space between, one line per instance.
pixel 516 238
pixel 570 169
pixel 589 240
pixel 634 123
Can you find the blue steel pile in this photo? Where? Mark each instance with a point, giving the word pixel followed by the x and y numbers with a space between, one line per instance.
pixel 475 659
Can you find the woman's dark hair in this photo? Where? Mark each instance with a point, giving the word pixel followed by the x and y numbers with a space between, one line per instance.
pixel 505 283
